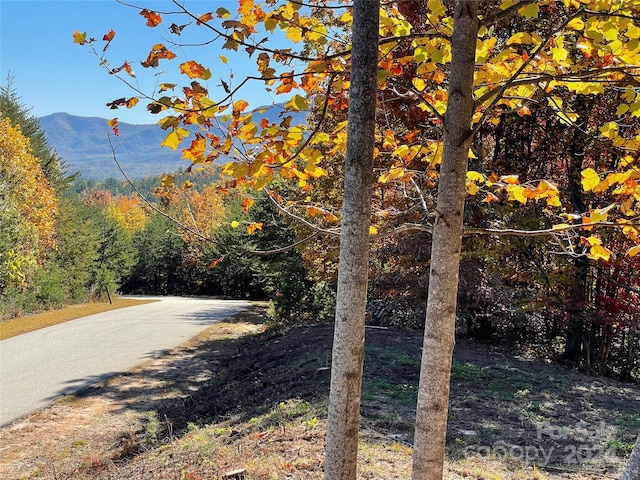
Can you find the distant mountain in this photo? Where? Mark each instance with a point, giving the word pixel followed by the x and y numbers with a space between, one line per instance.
pixel 83 142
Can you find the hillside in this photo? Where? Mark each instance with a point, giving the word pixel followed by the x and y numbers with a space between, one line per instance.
pixel 83 142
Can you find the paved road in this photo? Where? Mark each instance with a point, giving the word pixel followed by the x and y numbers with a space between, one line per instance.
pixel 40 366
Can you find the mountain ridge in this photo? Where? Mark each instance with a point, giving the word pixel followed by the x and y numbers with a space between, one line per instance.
pixel 84 144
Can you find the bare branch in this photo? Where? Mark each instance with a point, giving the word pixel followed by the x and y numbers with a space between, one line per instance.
pixel 297 218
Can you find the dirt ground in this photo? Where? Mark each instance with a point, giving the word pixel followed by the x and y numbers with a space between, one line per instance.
pixel 242 396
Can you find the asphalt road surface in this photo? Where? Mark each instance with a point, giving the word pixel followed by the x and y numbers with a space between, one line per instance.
pixel 38 367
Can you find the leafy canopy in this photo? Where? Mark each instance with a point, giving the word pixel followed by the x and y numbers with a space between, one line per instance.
pixel 527 53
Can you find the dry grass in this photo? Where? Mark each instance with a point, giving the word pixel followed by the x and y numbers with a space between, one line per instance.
pixel 17 326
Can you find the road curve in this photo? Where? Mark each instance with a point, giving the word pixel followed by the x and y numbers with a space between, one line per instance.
pixel 38 367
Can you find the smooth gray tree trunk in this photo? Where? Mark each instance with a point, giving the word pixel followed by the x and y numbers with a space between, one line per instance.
pixel 633 467
pixel 439 334
pixel 348 344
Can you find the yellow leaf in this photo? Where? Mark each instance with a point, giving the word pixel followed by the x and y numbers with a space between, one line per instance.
pixel 168 180
pixel 597 216
pixel 472 188
pixel 631 232
pixel 590 179
pixel 235 224
pixel 294 33
pixel 575 24
pixel 475 177
pixel 530 11
pixel 394 173
pixel 545 186
pixel 567 118
pixel 622 109
pixel 174 138
pixel 516 192
pixel 298 103
pixel 437 7
pixel 314 170
pixel 373 230
pixel 346 17
pixel 79 37
pixel 633 251
pixel 554 201
pixel 520 38
pixel 598 252
pixel 593 240
pixel 558 52
pixel 609 130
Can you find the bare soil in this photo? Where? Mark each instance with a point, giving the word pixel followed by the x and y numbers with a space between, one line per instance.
pixel 241 396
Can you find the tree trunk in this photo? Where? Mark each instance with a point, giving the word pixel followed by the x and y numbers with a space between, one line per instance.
pixel 573 347
pixel 439 334
pixel 633 467
pixel 348 344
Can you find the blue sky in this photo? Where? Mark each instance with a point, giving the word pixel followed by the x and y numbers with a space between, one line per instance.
pixel 52 74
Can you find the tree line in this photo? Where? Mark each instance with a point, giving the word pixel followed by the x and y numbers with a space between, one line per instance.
pixel 66 240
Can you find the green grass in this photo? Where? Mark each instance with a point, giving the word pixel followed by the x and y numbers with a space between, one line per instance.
pixel 17 326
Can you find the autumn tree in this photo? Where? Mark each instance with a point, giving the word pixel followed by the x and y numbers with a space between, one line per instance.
pixel 52 166
pixel 29 206
pixel 444 72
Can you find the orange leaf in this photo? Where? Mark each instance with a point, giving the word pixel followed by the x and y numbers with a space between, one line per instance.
pixel 315 211
pixel 204 18
pixel 193 69
pixel 246 205
pixel 239 106
pixel 510 179
pixel 153 18
pixel 166 86
pixel 490 198
pixel 395 70
pixel 109 36
pixel 196 150
pixel 127 68
pixel 157 52
pixel 438 76
pixel 253 227
pixel 215 262
pixel 245 7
